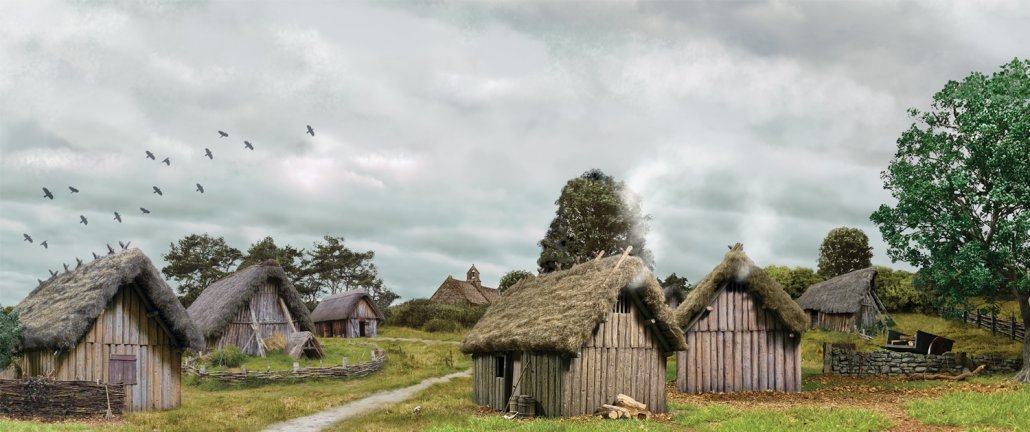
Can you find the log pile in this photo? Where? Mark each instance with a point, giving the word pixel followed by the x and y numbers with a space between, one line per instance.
pixel 46 399
pixel 350 370
pixel 625 407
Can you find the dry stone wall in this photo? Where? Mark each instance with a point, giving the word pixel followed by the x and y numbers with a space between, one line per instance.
pixel 847 361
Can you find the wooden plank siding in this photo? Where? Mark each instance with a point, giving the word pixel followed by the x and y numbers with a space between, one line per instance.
pixel 124 327
pixel 739 346
pixel 271 320
pixel 350 327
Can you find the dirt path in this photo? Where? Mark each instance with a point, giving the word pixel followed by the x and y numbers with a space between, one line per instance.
pixel 428 341
pixel 846 393
pixel 324 419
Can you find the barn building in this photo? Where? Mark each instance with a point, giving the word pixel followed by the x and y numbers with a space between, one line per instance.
pixel 248 307
pixel 743 330
pixel 348 314
pixel 469 292
pixel 574 339
pixel 846 303
pixel 113 320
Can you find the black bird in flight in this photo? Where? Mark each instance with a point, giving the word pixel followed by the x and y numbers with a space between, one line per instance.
pixel 110 250
pixel 311 131
pixel 223 134
pixel 167 161
pixel 117 217
pixel 247 144
pixel 125 246
pixel 200 188
pixel 82 220
pixel 45 246
pixel 28 238
pixel 78 262
pixel 73 189
pixel 158 191
pixel 47 194
pixel 52 273
pixel 207 152
pixel 145 211
pixel 150 155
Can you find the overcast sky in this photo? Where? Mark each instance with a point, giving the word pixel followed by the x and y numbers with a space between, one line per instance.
pixel 445 131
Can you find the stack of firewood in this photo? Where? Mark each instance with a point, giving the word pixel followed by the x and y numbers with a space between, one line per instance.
pixel 625 407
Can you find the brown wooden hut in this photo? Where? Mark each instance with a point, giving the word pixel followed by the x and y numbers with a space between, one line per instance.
pixel 114 320
pixel 574 339
pixel 349 314
pixel 469 292
pixel 846 303
pixel 248 307
pixel 743 330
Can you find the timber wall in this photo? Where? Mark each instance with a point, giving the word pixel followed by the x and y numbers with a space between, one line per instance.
pixel 123 328
pixel 351 326
pixel 271 317
pixel 739 346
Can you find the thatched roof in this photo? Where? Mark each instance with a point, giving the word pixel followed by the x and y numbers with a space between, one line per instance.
pixel 341 306
pixel 61 310
pixel 559 311
pixel 481 295
pixel 216 307
pixel 842 294
pixel 736 266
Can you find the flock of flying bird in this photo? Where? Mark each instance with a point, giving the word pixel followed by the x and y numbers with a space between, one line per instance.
pixel 118 217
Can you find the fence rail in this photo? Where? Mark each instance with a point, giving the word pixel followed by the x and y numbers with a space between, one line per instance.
pixel 347 370
pixel 1009 328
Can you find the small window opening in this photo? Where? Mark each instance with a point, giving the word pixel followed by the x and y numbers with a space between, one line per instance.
pixel 500 366
pixel 622 305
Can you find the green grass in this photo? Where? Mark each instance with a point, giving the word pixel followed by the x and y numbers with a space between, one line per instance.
pixel 718 417
pixel 968 338
pixel 356 351
pixel 219 407
pixel 17 426
pixel 410 333
pixel 1009 411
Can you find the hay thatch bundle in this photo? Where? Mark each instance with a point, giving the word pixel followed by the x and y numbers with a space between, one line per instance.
pixel 842 294
pixel 304 344
pixel 61 310
pixel 340 306
pixel 736 266
pixel 216 307
pixel 559 311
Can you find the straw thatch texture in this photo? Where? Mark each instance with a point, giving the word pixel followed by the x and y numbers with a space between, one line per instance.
pixel 341 306
pixel 559 311
pixel 736 266
pixel 215 308
pixel 60 311
pixel 303 344
pixel 453 291
pixel 842 294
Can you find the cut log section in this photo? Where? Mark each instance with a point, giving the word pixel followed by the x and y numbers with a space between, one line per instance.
pixel 625 407
pixel 959 377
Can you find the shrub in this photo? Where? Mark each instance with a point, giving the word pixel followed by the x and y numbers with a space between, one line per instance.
pixel 897 290
pixel 10 334
pixel 440 325
pixel 417 313
pixel 277 342
pixel 229 357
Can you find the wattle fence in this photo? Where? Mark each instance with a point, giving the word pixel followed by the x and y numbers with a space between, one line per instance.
pixel 46 399
pixel 350 370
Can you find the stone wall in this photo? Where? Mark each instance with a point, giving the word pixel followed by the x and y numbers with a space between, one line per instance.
pixel 846 361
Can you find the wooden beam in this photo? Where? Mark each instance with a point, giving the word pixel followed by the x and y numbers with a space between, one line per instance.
pixel 257 332
pixel 286 311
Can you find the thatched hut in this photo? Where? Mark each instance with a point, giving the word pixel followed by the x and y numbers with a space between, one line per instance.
pixel 574 339
pixel 248 307
pixel 744 332
pixel 348 314
pixel 846 303
pixel 114 320
pixel 469 292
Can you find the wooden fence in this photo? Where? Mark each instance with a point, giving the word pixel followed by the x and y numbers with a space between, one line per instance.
pixel 1009 328
pixel 46 399
pixel 346 370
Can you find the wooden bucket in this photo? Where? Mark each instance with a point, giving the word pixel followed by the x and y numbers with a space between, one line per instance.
pixel 527 406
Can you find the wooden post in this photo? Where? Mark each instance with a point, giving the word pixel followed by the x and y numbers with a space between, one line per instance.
pixel 257 333
pixel 994 323
pixel 1012 326
pixel 286 313
pixel 344 361
pixel 296 366
pixel 827 357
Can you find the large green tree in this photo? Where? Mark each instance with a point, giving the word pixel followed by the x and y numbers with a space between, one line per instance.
pixel 197 261
pixel 289 258
pixel 334 268
pixel 595 214
pixel 961 178
pixel 844 250
pixel 793 280
pixel 897 290
pixel 10 336
pixel 511 278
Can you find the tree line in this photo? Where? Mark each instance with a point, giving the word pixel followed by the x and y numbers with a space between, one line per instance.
pixel 329 267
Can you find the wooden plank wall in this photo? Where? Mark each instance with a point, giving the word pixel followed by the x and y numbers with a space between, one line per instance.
pixel 265 303
pixel 739 347
pixel 126 328
pixel 843 322
pixel 623 356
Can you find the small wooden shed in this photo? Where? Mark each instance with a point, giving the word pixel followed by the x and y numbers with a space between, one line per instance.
pixel 574 339
pixel 114 320
pixel 248 307
pixel 743 329
pixel 348 314
pixel 847 303
pixel 469 292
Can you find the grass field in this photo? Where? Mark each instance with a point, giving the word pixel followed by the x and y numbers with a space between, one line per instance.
pixel 335 349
